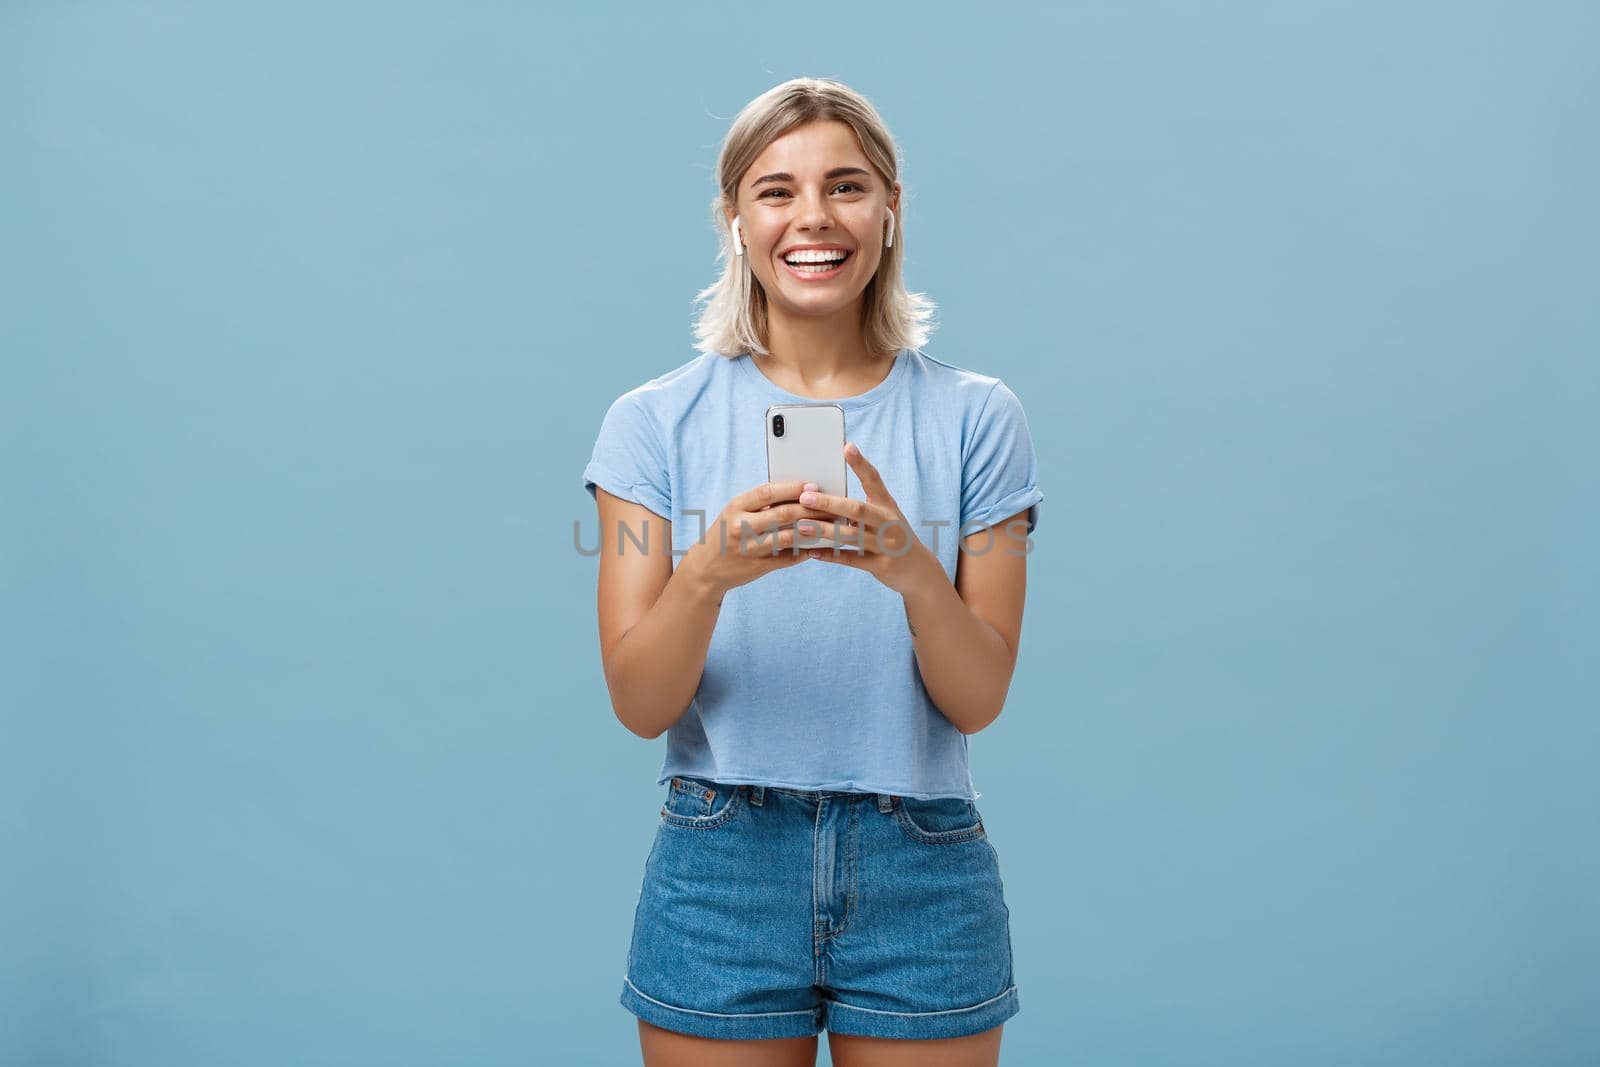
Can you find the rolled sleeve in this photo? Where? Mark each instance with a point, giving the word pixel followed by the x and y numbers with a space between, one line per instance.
pixel 628 460
pixel 1000 473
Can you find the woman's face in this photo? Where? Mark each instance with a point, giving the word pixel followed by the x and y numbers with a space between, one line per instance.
pixel 813 186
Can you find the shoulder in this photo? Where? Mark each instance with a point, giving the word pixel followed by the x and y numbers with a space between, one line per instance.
pixel 666 394
pixel 980 403
pixel 969 389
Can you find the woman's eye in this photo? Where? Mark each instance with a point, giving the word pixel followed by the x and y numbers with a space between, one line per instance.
pixel 841 185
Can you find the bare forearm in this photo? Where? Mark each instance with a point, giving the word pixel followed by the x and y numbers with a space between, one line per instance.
pixel 966 665
pixel 656 666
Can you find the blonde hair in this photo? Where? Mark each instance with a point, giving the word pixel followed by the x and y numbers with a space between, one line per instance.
pixel 734 319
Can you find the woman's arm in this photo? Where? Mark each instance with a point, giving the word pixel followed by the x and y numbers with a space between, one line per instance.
pixel 655 623
pixel 966 635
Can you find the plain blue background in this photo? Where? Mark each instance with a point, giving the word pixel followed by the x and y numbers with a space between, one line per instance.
pixel 310 314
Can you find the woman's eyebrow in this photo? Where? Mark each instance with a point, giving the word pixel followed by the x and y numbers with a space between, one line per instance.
pixel 785 176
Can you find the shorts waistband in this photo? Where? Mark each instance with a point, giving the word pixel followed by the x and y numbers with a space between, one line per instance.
pixel 758 795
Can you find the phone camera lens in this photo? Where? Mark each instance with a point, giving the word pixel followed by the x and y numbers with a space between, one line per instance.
pixel 777 425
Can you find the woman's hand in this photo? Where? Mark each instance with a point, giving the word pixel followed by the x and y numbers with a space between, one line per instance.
pixel 890 551
pixel 740 544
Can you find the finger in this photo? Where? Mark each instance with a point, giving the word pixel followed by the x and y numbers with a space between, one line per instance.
pixel 893 538
pixel 767 493
pixel 838 555
pixel 836 530
pixel 844 506
pixel 781 515
pixel 768 543
pixel 767 559
pixel 871 480
pixel 787 559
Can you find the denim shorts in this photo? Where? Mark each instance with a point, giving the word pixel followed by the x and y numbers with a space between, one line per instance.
pixel 769 912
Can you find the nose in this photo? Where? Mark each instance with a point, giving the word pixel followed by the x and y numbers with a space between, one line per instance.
pixel 814 213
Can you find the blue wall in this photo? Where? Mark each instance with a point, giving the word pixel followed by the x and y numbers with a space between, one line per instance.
pixel 309 313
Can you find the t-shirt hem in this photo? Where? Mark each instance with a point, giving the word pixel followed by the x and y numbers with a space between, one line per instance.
pixel 852 787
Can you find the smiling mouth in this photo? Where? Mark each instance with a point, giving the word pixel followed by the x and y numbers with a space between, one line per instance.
pixel 818 270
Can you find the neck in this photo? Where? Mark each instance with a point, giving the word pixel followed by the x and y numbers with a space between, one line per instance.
pixel 820 354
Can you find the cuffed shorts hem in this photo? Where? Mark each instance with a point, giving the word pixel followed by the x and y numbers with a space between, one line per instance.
pixel 921 1025
pixel 767 1024
pixel 833 1015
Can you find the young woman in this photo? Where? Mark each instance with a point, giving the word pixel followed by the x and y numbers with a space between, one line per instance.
pixel 820 862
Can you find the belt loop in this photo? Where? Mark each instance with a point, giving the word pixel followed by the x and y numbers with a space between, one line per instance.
pixel 758 793
pixel 885 802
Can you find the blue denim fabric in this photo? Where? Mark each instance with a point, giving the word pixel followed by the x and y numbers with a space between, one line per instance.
pixel 768 912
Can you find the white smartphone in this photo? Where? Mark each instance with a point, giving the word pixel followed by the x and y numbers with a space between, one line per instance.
pixel 805 442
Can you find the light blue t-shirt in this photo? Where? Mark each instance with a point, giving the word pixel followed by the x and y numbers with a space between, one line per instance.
pixel 811 680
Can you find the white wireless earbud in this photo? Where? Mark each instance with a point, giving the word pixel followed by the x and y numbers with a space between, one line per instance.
pixel 890 242
pixel 738 245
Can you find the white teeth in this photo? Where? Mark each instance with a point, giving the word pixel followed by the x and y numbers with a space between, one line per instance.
pixel 830 256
